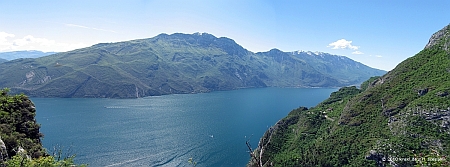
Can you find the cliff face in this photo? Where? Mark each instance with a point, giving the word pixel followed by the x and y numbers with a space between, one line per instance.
pixel 18 127
pixel 440 36
pixel 3 151
pixel 399 119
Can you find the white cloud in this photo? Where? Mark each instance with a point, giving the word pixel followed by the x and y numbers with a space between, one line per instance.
pixel 357 52
pixel 4 44
pixel 30 42
pixel 343 44
pixel 379 56
pixel 92 28
pixel 4 35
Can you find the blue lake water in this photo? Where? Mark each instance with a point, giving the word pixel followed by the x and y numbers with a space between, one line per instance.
pixel 211 128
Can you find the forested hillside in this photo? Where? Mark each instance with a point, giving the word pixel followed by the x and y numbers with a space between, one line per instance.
pixel 399 119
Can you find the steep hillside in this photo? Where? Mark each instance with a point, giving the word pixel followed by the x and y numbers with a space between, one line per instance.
pixel 3 60
pixel 166 64
pixel 399 119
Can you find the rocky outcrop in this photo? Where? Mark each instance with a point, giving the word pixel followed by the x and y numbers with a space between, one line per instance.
pixel 442 94
pixel 441 34
pixel 440 117
pixel 265 141
pixel 3 152
pixel 377 157
pixel 422 92
pixel 18 126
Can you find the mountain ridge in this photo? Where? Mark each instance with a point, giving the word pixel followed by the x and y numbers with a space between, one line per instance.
pixel 166 64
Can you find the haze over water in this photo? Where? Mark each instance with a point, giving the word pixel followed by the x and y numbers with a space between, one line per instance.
pixel 167 130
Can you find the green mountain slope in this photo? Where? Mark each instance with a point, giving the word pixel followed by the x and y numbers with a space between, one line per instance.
pixel 166 64
pixel 399 119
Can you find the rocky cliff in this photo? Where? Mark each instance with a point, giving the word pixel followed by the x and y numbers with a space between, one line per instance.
pixel 18 127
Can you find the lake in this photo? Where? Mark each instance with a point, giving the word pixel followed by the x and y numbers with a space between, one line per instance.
pixel 211 128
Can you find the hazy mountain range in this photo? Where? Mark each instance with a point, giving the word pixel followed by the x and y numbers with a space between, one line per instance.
pixel 23 54
pixel 176 63
pixel 3 60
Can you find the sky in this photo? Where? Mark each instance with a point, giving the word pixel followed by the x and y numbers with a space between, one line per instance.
pixel 379 33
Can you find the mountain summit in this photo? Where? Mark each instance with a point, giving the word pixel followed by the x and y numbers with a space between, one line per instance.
pixel 399 119
pixel 176 63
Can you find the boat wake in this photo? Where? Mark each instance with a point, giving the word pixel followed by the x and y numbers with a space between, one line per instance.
pixel 126 162
pixel 116 107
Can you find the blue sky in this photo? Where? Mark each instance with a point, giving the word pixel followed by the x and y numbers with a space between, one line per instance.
pixel 379 33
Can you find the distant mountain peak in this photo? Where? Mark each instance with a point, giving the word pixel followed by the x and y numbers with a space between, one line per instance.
pixel 184 35
pixel 202 33
pixel 198 36
pixel 274 50
pixel 316 53
pixel 311 53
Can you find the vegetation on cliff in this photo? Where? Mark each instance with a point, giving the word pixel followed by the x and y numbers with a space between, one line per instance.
pixel 18 126
pixel 399 119
pixel 20 142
